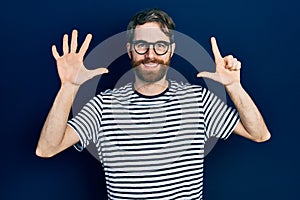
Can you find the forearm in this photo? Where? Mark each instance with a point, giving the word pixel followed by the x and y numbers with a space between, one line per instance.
pixel 55 125
pixel 250 116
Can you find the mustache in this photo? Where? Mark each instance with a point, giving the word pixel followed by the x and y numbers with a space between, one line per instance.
pixel 148 60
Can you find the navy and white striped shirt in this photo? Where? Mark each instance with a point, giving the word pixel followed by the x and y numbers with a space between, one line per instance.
pixel 153 147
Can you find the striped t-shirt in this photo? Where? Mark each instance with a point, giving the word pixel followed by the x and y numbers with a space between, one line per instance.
pixel 153 147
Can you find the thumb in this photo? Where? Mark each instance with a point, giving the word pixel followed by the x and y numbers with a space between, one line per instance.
pixel 97 72
pixel 210 75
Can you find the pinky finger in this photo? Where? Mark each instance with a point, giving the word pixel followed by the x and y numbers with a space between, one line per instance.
pixel 54 52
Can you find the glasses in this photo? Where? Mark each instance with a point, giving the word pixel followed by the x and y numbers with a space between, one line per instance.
pixel 142 47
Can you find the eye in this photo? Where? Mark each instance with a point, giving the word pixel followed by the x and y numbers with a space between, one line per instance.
pixel 141 45
pixel 161 45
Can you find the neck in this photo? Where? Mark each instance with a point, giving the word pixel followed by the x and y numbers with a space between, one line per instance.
pixel 151 89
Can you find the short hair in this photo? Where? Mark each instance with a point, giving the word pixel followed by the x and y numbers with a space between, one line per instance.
pixel 166 23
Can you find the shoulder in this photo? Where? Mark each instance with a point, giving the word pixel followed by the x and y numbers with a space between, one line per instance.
pixel 121 91
pixel 185 88
pixel 118 94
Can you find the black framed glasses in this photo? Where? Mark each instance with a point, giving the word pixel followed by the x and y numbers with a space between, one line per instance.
pixel 142 47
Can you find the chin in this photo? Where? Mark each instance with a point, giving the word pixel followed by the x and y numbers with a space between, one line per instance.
pixel 151 77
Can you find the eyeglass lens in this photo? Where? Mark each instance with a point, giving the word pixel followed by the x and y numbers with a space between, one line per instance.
pixel 142 47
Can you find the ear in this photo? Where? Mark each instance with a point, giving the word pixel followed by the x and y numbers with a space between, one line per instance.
pixel 173 45
pixel 128 46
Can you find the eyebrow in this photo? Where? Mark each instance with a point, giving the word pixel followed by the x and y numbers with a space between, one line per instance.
pixel 150 42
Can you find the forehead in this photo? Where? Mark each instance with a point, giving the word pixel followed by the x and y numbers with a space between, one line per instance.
pixel 149 32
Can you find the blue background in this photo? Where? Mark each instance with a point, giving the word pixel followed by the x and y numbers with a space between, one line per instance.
pixel 263 34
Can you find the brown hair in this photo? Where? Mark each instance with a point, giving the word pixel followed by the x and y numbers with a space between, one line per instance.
pixel 153 15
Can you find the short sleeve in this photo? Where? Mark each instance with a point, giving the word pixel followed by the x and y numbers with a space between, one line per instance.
pixel 87 123
pixel 220 119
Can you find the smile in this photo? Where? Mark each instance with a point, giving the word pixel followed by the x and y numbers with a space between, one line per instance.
pixel 151 65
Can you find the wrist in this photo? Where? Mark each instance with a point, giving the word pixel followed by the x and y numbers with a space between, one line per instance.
pixel 69 88
pixel 69 85
pixel 233 87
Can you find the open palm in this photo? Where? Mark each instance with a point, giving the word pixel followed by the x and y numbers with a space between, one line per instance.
pixel 70 65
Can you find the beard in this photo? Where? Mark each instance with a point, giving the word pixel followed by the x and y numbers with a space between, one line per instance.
pixel 150 76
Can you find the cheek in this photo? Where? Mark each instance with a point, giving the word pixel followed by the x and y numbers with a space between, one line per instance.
pixel 166 59
pixel 137 57
pixel 136 61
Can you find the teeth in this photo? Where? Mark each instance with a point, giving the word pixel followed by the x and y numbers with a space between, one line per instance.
pixel 150 64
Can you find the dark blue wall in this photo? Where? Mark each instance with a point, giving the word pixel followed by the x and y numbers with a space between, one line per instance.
pixel 263 34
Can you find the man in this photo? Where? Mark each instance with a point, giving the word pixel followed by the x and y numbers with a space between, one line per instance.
pixel 150 134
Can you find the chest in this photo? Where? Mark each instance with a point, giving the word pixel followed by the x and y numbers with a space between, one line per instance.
pixel 150 134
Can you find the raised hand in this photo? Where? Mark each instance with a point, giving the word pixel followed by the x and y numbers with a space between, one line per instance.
pixel 227 68
pixel 70 65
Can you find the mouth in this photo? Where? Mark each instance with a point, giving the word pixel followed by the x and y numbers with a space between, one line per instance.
pixel 151 65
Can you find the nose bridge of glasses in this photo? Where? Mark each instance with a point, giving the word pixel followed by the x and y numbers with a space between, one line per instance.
pixel 153 50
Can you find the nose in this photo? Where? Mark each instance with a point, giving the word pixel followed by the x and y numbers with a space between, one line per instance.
pixel 150 53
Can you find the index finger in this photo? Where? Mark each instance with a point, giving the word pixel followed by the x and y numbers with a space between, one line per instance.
pixel 215 48
pixel 85 44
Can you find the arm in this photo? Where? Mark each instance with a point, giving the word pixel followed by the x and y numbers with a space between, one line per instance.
pixel 56 135
pixel 251 125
